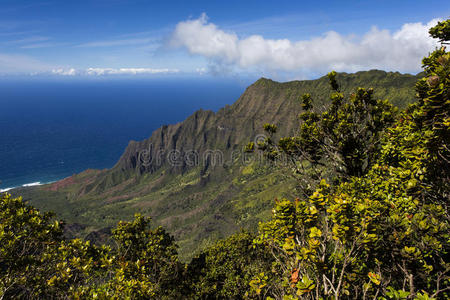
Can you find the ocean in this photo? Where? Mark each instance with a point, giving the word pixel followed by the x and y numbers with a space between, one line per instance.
pixel 53 128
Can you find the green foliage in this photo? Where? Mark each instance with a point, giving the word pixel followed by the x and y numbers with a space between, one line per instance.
pixel 26 236
pixel 36 262
pixel 338 143
pixel 441 31
pixel 225 269
pixel 146 261
pixel 385 231
pixel 346 135
pixel 75 265
pixel 432 116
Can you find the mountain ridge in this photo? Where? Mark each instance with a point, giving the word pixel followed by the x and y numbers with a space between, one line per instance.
pixel 242 107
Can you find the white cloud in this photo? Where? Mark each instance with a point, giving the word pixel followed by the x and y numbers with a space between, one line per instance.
pixel 111 71
pixel 201 37
pixel 401 50
pixel 128 71
pixel 65 72
pixel 201 70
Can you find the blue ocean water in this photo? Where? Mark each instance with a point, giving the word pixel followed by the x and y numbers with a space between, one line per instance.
pixel 51 129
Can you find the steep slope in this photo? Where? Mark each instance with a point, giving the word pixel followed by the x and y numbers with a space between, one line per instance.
pixel 193 177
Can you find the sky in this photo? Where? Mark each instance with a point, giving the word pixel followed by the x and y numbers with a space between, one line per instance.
pixel 277 39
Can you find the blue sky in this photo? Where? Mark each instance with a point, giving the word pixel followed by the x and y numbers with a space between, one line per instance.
pixel 279 39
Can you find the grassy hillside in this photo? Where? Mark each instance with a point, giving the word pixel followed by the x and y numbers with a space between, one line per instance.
pixel 201 200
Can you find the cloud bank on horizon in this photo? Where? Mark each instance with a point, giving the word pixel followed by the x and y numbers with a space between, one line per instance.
pixel 401 50
pixel 111 71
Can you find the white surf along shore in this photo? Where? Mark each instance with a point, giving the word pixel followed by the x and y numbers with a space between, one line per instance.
pixel 25 185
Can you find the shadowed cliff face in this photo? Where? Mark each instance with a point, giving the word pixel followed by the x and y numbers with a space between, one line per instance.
pixel 192 177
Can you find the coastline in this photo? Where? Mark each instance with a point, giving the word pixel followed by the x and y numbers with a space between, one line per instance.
pixel 37 183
